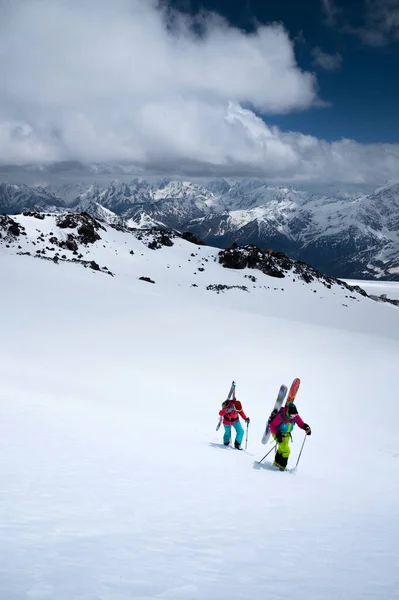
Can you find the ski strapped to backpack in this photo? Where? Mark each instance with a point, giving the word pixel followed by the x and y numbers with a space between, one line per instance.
pixel 293 390
pixel 231 394
pixel 279 403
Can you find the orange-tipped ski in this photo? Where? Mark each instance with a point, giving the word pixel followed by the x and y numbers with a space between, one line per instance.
pixel 293 391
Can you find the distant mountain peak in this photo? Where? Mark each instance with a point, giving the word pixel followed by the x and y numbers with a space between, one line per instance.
pixel 345 235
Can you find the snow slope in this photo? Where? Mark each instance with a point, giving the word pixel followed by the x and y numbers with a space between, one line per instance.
pixel 114 483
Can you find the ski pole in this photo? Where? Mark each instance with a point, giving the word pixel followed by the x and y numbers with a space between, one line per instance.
pixel 262 459
pixel 303 443
pixel 219 423
pixel 246 439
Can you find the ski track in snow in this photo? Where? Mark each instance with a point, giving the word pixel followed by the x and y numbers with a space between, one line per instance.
pixel 114 483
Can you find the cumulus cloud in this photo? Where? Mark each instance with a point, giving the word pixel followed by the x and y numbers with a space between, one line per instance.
pixel 293 156
pixel 125 81
pixel 329 62
pixel 76 70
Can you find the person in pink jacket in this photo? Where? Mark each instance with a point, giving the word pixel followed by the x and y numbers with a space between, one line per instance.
pixel 231 411
pixel 281 427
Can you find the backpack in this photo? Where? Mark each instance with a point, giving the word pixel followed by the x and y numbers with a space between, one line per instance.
pixel 237 404
pixel 274 413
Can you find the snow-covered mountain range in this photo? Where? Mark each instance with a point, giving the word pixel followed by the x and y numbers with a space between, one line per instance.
pixel 351 236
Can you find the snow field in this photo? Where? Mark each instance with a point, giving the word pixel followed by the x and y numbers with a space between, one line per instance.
pixel 113 485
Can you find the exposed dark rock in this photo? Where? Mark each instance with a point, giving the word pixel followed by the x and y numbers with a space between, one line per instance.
pixel 119 227
pixel 35 214
pixel 190 237
pixel 85 263
pixel 14 229
pixel 252 257
pixel 146 279
pixel 67 221
pixel 357 289
pixel 10 228
pixel 88 234
pixel 94 265
pixel 70 243
pixel 276 264
pixel 156 238
pixel 218 287
pixel 86 225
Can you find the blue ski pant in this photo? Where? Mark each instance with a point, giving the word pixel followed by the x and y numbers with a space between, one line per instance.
pixel 239 432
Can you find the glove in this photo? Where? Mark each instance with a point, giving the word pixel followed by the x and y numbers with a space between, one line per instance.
pixel 307 429
pixel 279 436
pixel 247 420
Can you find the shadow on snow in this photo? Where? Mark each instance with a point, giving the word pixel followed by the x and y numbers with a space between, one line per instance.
pixel 268 466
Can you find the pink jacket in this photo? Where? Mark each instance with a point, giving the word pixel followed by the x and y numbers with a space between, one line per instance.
pixel 283 424
pixel 229 418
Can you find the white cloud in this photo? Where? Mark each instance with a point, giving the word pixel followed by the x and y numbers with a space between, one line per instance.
pixel 381 22
pixel 116 82
pixel 104 67
pixel 329 62
pixel 331 12
pixel 377 20
pixel 297 157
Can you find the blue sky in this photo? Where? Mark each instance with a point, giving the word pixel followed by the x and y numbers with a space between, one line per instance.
pixel 362 88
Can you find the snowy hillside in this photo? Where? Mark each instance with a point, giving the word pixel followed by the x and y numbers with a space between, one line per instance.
pixel 352 236
pixel 114 482
pixel 80 239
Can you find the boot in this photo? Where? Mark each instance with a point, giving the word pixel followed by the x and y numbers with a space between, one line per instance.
pixel 237 445
pixel 280 461
pixel 226 443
